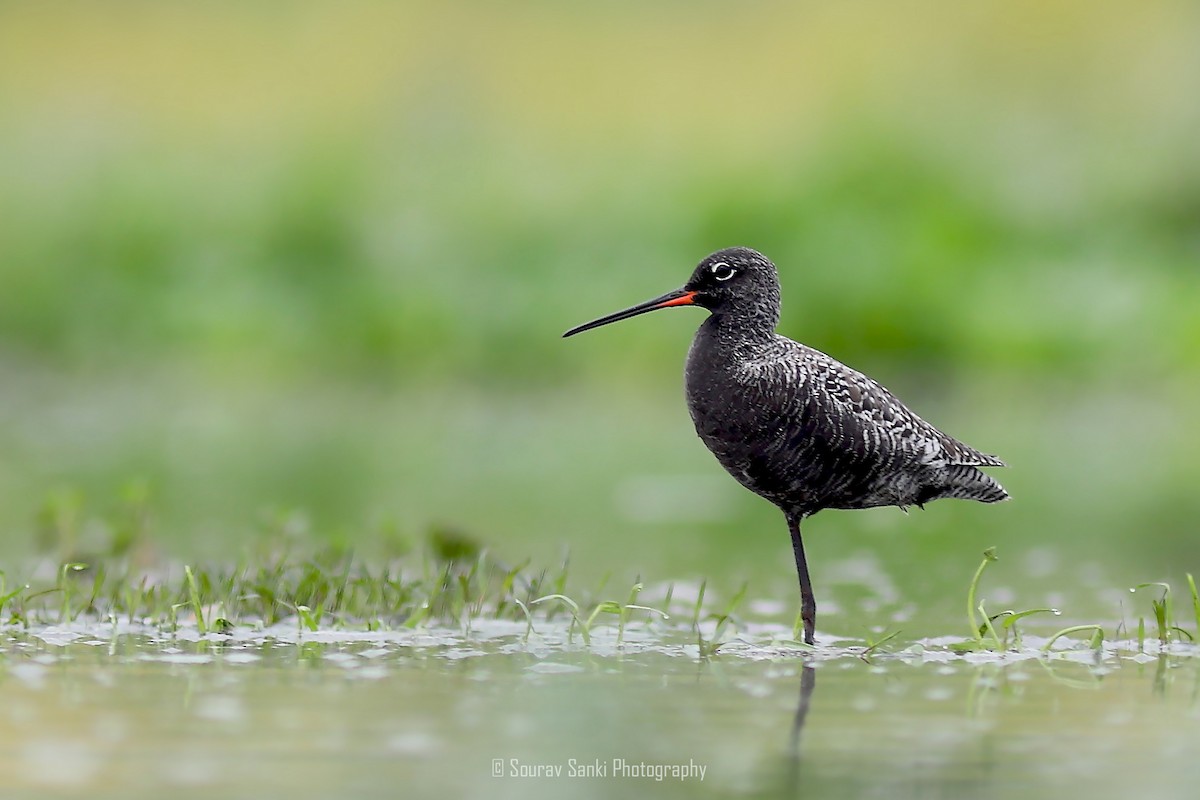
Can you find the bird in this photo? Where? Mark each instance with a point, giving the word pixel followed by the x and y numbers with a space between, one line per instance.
pixel 796 426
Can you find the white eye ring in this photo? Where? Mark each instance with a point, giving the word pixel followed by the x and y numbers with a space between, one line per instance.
pixel 722 271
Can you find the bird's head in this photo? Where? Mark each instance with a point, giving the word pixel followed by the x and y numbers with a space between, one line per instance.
pixel 737 283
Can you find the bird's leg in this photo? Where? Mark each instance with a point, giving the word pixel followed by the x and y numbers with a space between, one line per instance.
pixel 808 604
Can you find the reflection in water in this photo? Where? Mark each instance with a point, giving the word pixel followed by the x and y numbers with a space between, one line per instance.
pixel 808 682
pixel 1004 722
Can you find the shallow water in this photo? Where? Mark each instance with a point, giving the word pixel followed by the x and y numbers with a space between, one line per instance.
pixel 128 711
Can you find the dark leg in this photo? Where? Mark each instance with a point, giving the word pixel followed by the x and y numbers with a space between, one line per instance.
pixel 808 604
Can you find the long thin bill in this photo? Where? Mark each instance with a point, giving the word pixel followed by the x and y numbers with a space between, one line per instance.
pixel 679 297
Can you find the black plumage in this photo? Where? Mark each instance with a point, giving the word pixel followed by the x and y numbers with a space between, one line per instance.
pixel 796 426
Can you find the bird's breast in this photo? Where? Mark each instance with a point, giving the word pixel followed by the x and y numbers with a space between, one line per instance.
pixel 744 410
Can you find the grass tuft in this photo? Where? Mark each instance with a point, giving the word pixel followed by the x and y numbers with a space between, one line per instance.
pixel 1195 600
pixel 330 588
pixel 989 555
pixel 1163 613
pixel 1096 642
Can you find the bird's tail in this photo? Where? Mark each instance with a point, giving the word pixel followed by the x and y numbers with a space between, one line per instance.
pixel 970 483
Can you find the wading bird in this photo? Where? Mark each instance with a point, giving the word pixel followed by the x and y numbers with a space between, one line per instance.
pixel 796 426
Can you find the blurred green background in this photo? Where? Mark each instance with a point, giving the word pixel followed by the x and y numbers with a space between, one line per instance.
pixel 306 266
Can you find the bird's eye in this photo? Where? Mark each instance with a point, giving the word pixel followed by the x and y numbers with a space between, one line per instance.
pixel 722 271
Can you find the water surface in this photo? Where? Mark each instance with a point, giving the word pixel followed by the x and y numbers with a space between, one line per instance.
pixel 125 711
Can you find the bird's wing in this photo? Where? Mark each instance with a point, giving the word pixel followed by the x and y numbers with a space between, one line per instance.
pixel 869 412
